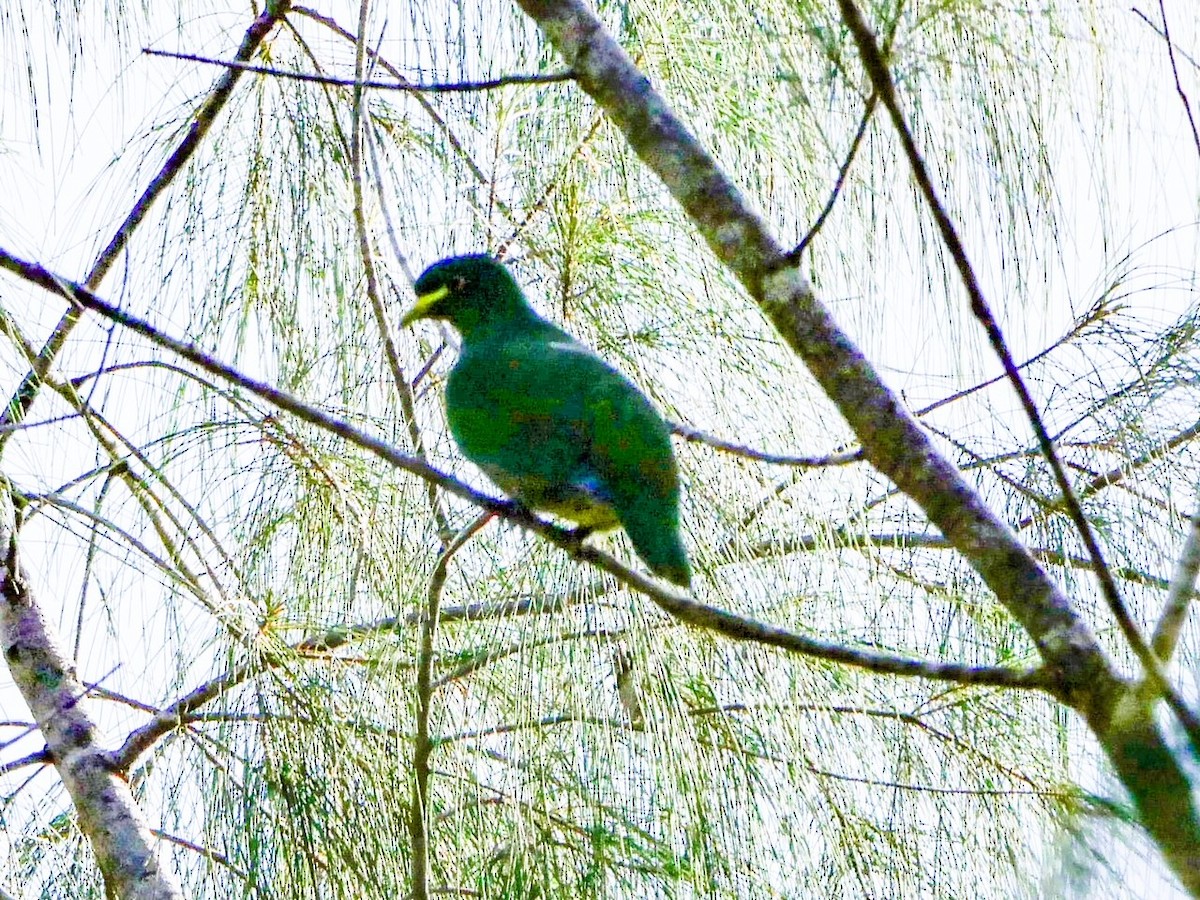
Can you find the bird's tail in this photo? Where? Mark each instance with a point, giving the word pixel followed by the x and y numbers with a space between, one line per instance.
pixel 655 536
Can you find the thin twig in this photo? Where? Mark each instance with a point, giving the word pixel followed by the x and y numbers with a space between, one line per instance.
pixel 927 789
pixel 688 433
pixel 421 99
pixel 38 758
pixel 1165 34
pixel 494 654
pixel 173 716
pixel 1118 474
pixel 1183 97
pixel 1180 592
pixel 89 561
pixel 868 111
pixel 1153 27
pixel 170 567
pixel 378 309
pixel 844 538
pixel 550 189
pixel 444 87
pixel 1100 310
pixel 385 207
pixel 206 852
pixel 423 743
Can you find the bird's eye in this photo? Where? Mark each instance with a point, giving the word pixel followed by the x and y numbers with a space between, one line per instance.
pixel 458 284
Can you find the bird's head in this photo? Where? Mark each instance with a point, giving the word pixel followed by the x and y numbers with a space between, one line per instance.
pixel 469 292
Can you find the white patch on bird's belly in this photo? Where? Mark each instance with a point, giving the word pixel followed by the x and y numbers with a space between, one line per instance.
pixel 581 502
pixel 569 347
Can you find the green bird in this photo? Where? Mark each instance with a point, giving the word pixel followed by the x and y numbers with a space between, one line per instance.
pixel 552 424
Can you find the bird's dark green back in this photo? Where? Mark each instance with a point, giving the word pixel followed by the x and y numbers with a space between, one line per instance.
pixel 548 420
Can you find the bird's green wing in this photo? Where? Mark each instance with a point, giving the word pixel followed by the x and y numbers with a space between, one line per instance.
pixel 517 410
pixel 558 428
pixel 630 450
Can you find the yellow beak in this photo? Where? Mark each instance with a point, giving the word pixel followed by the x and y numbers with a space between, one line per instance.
pixel 425 302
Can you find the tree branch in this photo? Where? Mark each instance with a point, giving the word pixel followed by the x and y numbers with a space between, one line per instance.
pixel 1180 592
pixel 423 743
pixel 1183 97
pixel 108 814
pixel 797 252
pixel 688 433
pixel 846 538
pixel 892 440
pixel 679 606
pixel 445 87
pixel 400 382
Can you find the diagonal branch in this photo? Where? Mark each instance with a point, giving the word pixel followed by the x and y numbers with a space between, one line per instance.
pixel 881 78
pixel 108 813
pixel 444 87
pixel 404 391
pixel 1183 97
pixel 891 438
pixel 1180 593
pixel 1100 310
pixel 839 183
pixel 681 607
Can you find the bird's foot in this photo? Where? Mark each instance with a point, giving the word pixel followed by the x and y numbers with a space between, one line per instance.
pixel 519 510
pixel 580 532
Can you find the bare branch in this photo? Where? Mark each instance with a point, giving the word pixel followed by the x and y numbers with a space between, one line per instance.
pixel 701 615
pixel 910 540
pixel 206 852
pixel 1183 97
pixel 1153 27
pixel 450 87
pixel 108 814
pixel 1180 593
pixel 538 604
pixel 683 608
pixel 688 433
pixel 1099 311
pixel 868 111
pixel 400 382
pixel 892 440
pixel 423 744
pixel 544 722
